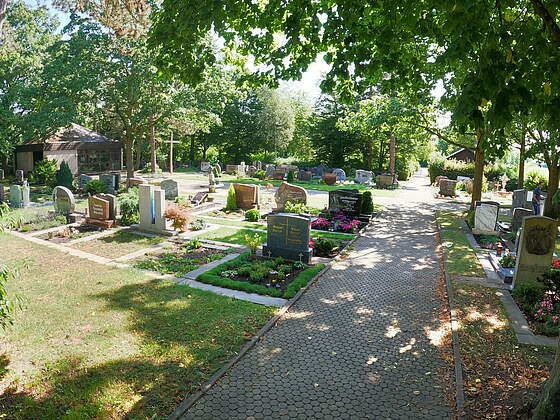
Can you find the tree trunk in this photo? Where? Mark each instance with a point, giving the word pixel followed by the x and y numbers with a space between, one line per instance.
pixel 192 150
pixel 549 208
pixel 5 163
pixel 392 152
pixel 138 154
pixel 478 174
pixel 368 154
pixel 549 404
pixel 153 161
pixel 129 159
pixel 521 173
pixel 3 7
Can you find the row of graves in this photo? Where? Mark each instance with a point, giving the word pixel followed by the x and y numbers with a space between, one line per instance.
pixel 20 192
pixel 448 187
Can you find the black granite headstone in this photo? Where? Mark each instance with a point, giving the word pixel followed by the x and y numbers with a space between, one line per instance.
pixel 288 237
pixel 348 202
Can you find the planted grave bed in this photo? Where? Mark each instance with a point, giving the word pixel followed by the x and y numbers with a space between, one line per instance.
pixel 70 233
pixel 179 259
pixel 227 214
pixel 118 244
pixel 275 277
pixel 488 241
pixel 338 222
pixel 40 221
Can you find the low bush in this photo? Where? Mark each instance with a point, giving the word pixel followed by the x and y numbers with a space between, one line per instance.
pixel 253 242
pixel 511 185
pixel 299 207
pixel 439 165
pixel 533 179
pixel 260 174
pixel 198 224
pixel 64 176
pixel 45 171
pixel 367 203
pixel 180 217
pixel 528 293
pixel 96 186
pixel 252 215
pixel 323 247
pixel 291 177
pixel 507 261
pixel 129 206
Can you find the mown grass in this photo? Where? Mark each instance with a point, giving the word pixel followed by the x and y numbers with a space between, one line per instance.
pixel 101 342
pixel 461 258
pixel 230 235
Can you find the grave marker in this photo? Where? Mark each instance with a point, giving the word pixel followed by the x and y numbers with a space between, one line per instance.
pixel 288 237
pixel 288 192
pixel 2 194
pixel 486 217
pixel 269 171
pixel 199 198
pixel 171 188
pixel 520 199
pixel 20 176
pixel 1 174
pixel 247 196
pixel 63 200
pixel 83 180
pixel 536 247
pixel 363 177
pixel 109 181
pixel 447 187
pixel 152 209
pixel 16 197
pixel 340 174
pixel 517 219
pixel 348 202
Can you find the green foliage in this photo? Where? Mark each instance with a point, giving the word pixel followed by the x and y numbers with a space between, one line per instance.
pixel 129 206
pixel 95 186
pixel 325 247
pixel 192 244
pixel 231 204
pixel 533 179
pixel 253 241
pixel 174 263
pixel 179 216
pixel 252 215
pixel 290 177
pixel 528 292
pixel 470 218
pixel 440 166
pixel 45 171
pixel 511 185
pixel 302 280
pixel 260 174
pixel 8 303
pixel 198 224
pixel 299 207
pixel 64 176
pixel 507 261
pixel 367 203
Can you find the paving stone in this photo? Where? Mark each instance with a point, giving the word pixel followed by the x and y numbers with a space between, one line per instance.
pixel 355 345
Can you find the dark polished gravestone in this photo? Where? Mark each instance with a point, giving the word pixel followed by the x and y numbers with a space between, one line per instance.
pixel 288 237
pixel 348 202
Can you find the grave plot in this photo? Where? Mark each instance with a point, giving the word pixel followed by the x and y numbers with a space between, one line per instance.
pixel 118 244
pixel 178 258
pixel 34 222
pixel 277 277
pixel 69 233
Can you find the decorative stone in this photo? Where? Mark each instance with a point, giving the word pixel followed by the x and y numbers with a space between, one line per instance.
pixel 447 187
pixel 305 175
pixel 517 219
pixel 171 188
pixel 269 171
pixel 364 177
pixel 485 217
pixel 247 196
pixel 536 248
pixel 330 178
pixel 83 180
pixel 348 202
pixel 340 174
pixel 63 200
pixel 385 180
pixel 520 199
pixel 152 209
pixel 288 192
pixel 109 181
pixel 136 181
pixel 288 237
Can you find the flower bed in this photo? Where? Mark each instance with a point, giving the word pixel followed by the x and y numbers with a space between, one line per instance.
pixel 488 241
pixel 276 277
pixel 540 301
pixel 337 222
pixel 179 261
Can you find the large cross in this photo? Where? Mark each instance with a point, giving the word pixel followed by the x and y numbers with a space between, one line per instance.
pixel 171 142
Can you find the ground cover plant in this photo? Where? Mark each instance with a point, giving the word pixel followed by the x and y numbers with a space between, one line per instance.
pixel 276 277
pixel 182 259
pixel 42 221
pixel 118 244
pixel 134 349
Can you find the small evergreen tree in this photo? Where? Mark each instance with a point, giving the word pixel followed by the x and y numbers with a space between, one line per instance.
pixel 367 203
pixel 231 199
pixel 45 171
pixel 291 177
pixel 64 176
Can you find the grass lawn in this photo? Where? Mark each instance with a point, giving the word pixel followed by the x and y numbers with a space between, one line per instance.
pixel 99 342
pixel 118 244
pixel 501 375
pixel 230 235
pixel 461 259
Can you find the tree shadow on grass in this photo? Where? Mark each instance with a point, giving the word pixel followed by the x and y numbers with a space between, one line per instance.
pixel 184 336
pixel 124 236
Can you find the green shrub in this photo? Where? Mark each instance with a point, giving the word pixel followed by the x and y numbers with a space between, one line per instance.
pixel 406 170
pixel 231 204
pixel 253 242
pixel 45 171
pixel 129 206
pixel 507 261
pixel 533 179
pixel 367 203
pixel 198 224
pixel 260 174
pixel 511 185
pixel 290 177
pixel 528 293
pixel 460 186
pixel 96 186
pixel 192 244
pixel 325 247
pixel 64 176
pixel 252 215
pixel 299 207
pixel 470 218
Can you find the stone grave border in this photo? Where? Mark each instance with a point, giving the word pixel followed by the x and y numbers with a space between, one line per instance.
pixel 519 323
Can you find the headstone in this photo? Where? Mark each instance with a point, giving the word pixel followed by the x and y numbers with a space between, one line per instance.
pixel 320 170
pixel 16 197
pixel 230 169
pixel 63 200
pixel 136 181
pixel 199 198
pixel 1 174
pixel 288 237
pixel 83 180
pixel 251 170
pixel 486 217
pixel 340 174
pixel 288 192
pixel 305 175
pixel 117 178
pixel 463 178
pixel 171 189
pixel 385 180
pixel 329 178
pixel 258 165
pixel 279 173
pixel 98 208
pixel 247 196
pixel 109 181
pixel 25 194
pixel 520 199
pixel 269 171
pixel 438 179
pixel 447 187
pixel 152 209
pixel 363 177
pixel 20 176
pixel 2 194
pixel 504 179
pixel 517 219
pixel 348 202
pixel 536 248
pixel 469 184
pixel 242 168
pixel 112 204
pixel 204 166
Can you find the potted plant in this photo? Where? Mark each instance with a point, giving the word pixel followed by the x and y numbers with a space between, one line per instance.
pixel 507 268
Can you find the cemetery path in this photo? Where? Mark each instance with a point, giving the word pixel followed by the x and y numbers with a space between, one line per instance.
pixel 365 341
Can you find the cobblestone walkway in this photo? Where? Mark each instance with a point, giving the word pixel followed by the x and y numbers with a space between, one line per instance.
pixel 361 343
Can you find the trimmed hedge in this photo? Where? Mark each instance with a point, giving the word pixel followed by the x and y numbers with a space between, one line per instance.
pixel 452 168
pixel 212 277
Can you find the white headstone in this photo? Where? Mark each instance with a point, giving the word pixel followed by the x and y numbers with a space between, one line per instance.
pixel 486 217
pixel 63 200
pixel 363 177
pixel 152 208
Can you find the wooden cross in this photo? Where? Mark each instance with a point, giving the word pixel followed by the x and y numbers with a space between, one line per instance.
pixel 269 254
pixel 300 256
pixel 171 143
